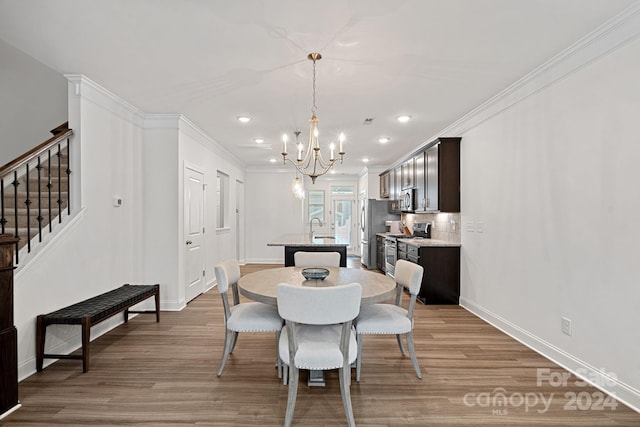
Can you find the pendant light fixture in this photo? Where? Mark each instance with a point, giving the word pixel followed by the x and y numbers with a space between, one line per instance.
pixel 310 162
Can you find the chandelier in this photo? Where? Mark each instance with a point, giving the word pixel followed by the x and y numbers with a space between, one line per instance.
pixel 312 164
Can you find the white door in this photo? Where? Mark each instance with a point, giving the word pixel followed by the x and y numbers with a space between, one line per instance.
pixel 193 232
pixel 344 223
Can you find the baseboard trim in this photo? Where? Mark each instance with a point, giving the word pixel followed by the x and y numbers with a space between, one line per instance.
pixel 596 377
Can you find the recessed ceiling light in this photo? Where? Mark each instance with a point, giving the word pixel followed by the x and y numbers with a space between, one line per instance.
pixel 403 119
pixel 384 140
pixel 365 160
pixel 259 140
pixel 272 160
pixel 244 119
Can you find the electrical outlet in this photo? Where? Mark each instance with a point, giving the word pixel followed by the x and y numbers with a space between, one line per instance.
pixel 471 227
pixel 453 226
pixel 480 227
pixel 566 326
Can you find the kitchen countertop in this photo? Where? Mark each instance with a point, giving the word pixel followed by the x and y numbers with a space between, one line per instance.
pixel 304 240
pixel 419 242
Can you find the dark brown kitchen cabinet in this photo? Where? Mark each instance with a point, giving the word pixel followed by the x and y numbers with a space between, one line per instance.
pixel 407 174
pixel 438 177
pixel 431 179
pixel 384 185
pixel 441 277
pixel 397 183
pixel 380 259
pixel 448 180
pixel 402 250
pixel 434 172
pixel 420 183
pixel 8 332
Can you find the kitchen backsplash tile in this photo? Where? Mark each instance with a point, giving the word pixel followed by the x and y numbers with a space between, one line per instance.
pixel 444 226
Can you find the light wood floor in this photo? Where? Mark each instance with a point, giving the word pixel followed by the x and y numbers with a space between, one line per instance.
pixel 164 374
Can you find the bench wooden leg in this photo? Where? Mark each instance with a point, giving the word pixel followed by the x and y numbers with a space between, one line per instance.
pixel 86 338
pixel 41 332
pixel 157 298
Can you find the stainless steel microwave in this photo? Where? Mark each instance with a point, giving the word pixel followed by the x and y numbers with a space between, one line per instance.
pixel 408 200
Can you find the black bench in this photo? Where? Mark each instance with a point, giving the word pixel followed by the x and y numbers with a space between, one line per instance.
pixel 91 312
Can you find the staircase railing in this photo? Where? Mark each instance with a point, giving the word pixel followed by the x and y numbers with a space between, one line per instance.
pixel 35 190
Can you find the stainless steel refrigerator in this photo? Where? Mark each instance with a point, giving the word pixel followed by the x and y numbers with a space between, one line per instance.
pixel 373 214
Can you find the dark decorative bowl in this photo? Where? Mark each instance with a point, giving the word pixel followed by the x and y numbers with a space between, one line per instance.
pixel 315 273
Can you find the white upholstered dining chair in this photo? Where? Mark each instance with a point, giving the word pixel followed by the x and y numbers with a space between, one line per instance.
pixel 393 318
pixel 318 335
pixel 316 259
pixel 243 317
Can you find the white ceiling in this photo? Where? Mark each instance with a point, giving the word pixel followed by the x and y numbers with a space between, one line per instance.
pixel 215 60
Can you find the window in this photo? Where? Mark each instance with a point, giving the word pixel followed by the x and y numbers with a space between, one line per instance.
pixel 316 204
pixel 345 190
pixel 222 200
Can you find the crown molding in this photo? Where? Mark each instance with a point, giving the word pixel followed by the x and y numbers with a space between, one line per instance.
pixel 91 91
pixel 610 36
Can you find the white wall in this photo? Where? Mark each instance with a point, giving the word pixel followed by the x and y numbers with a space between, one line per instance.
pixel 139 158
pixel 554 179
pixel 199 151
pixel 33 101
pixel 272 210
pixel 98 250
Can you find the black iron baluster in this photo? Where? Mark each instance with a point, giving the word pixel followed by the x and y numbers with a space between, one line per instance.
pixel 49 190
pixel 3 220
pixel 15 184
pixel 28 203
pixel 68 177
pixel 40 217
pixel 59 154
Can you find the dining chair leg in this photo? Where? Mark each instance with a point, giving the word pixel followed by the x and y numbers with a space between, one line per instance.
pixel 235 340
pixel 359 358
pixel 285 373
pixel 293 393
pixel 278 362
pixel 399 338
pixel 345 391
pixel 412 353
pixel 225 350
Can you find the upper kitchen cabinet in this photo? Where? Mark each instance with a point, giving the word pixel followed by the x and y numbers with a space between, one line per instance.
pixel 437 176
pixel 448 187
pixel 384 185
pixel 407 174
pixel 420 182
pixel 396 186
pixel 431 174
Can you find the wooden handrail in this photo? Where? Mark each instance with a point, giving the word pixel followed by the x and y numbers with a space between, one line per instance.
pixel 15 164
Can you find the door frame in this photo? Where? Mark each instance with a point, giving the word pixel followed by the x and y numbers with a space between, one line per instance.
pixel 354 244
pixel 185 271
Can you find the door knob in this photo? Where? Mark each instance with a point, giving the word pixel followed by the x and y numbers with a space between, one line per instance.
pixel 189 242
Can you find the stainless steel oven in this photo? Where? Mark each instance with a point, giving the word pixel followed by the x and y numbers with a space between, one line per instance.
pixel 390 255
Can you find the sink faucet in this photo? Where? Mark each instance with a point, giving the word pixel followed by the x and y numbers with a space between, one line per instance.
pixel 311 226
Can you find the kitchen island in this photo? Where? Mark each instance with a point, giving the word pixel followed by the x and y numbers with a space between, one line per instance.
pixel 304 242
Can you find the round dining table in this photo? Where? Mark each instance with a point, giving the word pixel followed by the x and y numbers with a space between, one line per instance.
pixel 261 285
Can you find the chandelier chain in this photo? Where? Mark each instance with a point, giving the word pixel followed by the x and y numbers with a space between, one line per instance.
pixel 314 108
